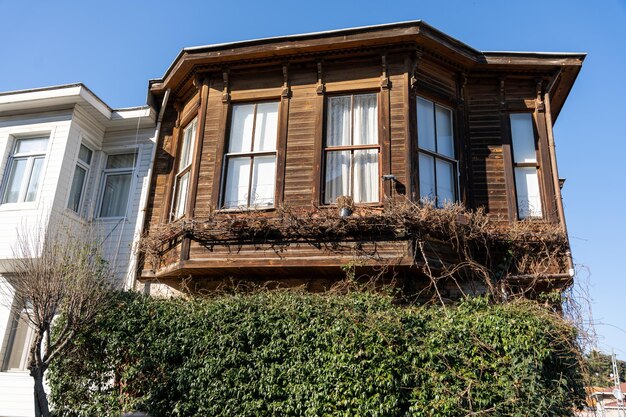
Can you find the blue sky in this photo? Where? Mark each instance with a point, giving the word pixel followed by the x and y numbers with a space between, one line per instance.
pixel 115 47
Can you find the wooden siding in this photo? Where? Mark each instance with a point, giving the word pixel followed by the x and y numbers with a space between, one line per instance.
pixel 481 103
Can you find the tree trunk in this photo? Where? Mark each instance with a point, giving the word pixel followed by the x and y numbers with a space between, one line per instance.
pixel 41 399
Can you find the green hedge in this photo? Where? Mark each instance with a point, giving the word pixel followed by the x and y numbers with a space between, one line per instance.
pixel 292 354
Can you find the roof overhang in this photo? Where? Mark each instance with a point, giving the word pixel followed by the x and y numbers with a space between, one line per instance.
pixel 417 33
pixel 69 96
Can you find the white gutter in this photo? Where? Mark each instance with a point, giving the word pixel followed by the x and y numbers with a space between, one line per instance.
pixel 141 219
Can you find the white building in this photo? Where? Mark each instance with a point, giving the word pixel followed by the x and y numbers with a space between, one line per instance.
pixel 63 151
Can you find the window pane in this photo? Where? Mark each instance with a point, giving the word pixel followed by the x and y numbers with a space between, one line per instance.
pixel 18 351
pixel 445 183
pixel 187 146
pixel 182 188
pixel 523 138
pixel 338 132
pixel 427 178
pixel 528 193
pixel 126 160
pixel 35 178
pixel 237 182
pixel 266 127
pixel 337 176
pixel 84 154
pixel 115 196
pixel 263 179
pixel 77 188
pixel 366 178
pixel 445 140
pixel 31 145
pixel 365 119
pixel 241 128
pixel 14 184
pixel 425 124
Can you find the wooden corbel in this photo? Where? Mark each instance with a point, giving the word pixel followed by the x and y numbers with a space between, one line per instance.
pixel 385 84
pixel 226 91
pixel 502 94
pixel 286 91
pixel 321 88
pixel 417 59
pixel 539 94
pixel 462 80
pixel 178 106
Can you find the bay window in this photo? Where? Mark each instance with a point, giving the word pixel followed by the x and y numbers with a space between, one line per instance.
pixel 81 172
pixel 436 156
pixel 352 148
pixel 525 166
pixel 24 170
pixel 250 161
pixel 116 184
pixel 181 183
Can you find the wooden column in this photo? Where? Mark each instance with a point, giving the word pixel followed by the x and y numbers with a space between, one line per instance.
pixel 318 147
pixel 545 167
pixel 281 143
pixel 221 139
pixel 169 187
pixel 507 154
pixel 384 128
pixel 462 145
pixel 413 159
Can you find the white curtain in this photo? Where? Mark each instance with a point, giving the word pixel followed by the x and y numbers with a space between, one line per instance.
pixel 365 119
pixel 337 175
pixel 528 192
pixel 263 181
pixel 445 183
pixel 338 131
pixel 427 178
pixel 523 138
pixel 445 140
pixel 266 127
pixel 365 176
pixel 237 181
pixel 115 197
pixel 181 195
pixel 425 124
pixel 241 128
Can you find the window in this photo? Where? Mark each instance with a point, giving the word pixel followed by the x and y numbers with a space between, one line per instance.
pixel 251 159
pixel 436 160
pixel 80 178
pixel 20 338
pixel 25 170
pixel 525 166
pixel 181 183
pixel 351 150
pixel 116 184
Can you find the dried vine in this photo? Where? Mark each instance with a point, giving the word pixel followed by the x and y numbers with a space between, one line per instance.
pixel 500 254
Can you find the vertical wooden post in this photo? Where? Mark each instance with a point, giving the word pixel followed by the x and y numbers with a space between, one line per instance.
pixel 412 148
pixel 281 143
pixel 545 167
pixel 221 141
pixel 169 187
pixel 384 127
pixel 507 154
pixel 319 137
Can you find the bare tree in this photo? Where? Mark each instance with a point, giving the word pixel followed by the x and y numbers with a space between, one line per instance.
pixel 57 274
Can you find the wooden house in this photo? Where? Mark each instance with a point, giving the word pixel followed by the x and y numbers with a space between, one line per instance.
pixel 261 142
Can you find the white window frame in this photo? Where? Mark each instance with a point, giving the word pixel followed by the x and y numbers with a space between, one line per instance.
pixel 188 142
pixel 10 345
pixel 30 158
pixel 436 155
pixel 87 167
pixel 106 172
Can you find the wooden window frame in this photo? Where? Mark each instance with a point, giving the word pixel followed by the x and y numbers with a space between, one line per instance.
pixel 181 171
pixel 117 171
pixel 538 164
pixel 278 153
pixel 416 150
pixel 87 167
pixel 325 149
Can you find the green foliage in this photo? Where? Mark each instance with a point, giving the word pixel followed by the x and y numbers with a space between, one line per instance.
pixel 293 354
pixel 599 369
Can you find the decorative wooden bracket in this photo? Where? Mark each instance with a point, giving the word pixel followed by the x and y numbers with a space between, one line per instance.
pixel 226 91
pixel 502 94
pixel 462 80
pixel 539 94
pixel 286 92
pixel 178 106
pixel 321 88
pixel 416 61
pixel 385 84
